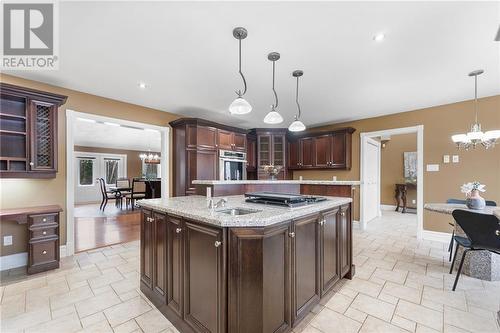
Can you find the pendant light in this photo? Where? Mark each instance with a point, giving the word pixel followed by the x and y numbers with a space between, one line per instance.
pixel 476 136
pixel 297 125
pixel 273 117
pixel 240 105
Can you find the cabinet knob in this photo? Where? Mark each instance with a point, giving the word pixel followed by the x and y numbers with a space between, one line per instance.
pixel 178 230
pixel 497 232
pixel 291 234
pixel 44 233
pixel 44 219
pixel 31 163
pixel 321 222
pixel 342 214
pixel 217 243
pixel 44 252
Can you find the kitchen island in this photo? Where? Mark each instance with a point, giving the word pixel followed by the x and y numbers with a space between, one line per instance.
pixel 212 270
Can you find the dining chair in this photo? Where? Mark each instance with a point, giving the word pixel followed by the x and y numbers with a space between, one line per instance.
pixel 138 192
pixel 123 183
pixel 482 234
pixel 461 202
pixel 106 195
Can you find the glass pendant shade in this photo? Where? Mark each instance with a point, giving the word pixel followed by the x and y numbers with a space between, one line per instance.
pixel 297 126
pixel 240 106
pixel 492 135
pixel 273 117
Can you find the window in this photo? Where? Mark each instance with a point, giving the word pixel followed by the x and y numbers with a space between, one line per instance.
pixel 111 170
pixel 86 171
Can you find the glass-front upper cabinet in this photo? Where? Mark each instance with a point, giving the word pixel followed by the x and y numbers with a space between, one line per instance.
pixel 264 147
pixel 279 150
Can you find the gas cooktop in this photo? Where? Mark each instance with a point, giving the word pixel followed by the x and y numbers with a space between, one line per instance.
pixel 282 199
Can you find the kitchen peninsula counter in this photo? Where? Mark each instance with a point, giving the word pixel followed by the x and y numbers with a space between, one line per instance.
pixel 208 271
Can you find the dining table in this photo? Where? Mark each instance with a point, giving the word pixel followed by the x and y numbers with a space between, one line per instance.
pixel 118 192
pixel 483 265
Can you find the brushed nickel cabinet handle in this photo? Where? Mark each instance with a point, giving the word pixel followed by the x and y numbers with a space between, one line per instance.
pixel 178 230
pixel 342 214
pixel 497 232
pixel 44 233
pixel 321 222
pixel 217 243
pixel 44 252
pixel 31 163
pixel 291 234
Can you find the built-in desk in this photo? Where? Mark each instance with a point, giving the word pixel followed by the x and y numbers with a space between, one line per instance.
pixel 43 241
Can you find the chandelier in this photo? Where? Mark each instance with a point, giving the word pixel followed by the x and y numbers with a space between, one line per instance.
pixel 149 158
pixel 476 135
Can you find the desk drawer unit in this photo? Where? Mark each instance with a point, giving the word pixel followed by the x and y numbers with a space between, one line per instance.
pixel 43 252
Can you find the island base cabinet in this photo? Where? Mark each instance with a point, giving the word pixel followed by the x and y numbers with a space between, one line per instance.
pixel 329 251
pixel 345 241
pixel 147 249
pixel 204 278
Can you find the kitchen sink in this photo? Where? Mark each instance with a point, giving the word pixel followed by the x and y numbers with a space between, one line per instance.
pixel 238 211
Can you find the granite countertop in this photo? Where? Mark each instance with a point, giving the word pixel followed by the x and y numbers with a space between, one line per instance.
pixel 195 208
pixel 449 208
pixel 305 182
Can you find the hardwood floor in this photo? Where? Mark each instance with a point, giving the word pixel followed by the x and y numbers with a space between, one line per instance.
pixel 95 229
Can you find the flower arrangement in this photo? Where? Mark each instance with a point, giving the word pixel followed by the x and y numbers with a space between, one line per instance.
pixel 470 187
pixel 272 170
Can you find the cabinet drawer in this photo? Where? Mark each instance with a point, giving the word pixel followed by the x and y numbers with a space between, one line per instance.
pixel 43 218
pixel 43 252
pixel 44 232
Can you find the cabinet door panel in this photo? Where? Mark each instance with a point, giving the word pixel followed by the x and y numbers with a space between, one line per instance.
pixel 174 262
pixel 206 137
pixel 206 164
pixel 339 150
pixel 329 251
pixel 345 239
pixel 203 274
pixel 43 136
pixel 239 141
pixel 251 152
pixel 306 152
pixel 147 249
pixel 160 254
pixel 293 154
pixel 322 151
pixel 225 139
pixel 278 153
pixel 305 249
pixel 264 149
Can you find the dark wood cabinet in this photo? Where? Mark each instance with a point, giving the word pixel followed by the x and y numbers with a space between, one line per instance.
pixel 321 150
pixel 271 150
pixel 204 278
pixel 28 132
pixel 197 143
pixel 160 255
pixel 147 244
pixel 251 153
pixel 305 266
pixel 175 280
pixel 329 250
pixel 345 240
pixel 43 248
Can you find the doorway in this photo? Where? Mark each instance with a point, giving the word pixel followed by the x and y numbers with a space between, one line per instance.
pixel 112 153
pixel 370 170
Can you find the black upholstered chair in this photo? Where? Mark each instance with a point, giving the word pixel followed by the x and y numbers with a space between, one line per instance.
pixel 461 202
pixel 482 234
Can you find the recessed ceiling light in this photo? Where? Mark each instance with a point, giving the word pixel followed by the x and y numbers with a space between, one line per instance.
pixel 379 37
pixel 87 120
pixel 142 85
pixel 111 124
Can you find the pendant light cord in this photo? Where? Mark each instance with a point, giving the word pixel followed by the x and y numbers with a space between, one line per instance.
pixel 274 91
pixel 475 96
pixel 297 99
pixel 239 93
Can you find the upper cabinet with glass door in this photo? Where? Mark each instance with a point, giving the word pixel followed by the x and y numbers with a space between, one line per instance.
pixel 28 132
pixel 271 150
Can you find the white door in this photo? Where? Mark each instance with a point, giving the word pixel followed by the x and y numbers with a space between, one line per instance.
pixel 89 167
pixel 371 177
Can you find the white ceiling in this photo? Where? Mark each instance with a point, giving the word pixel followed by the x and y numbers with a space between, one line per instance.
pixel 186 54
pixel 102 135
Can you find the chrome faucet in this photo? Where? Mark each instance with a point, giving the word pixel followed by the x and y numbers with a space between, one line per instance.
pixel 221 203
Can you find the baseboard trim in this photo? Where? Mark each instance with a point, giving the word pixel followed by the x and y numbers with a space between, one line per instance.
pixel 388 207
pixel 13 261
pixel 21 259
pixel 436 236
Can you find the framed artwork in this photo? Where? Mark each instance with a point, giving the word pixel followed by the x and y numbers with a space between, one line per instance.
pixel 410 166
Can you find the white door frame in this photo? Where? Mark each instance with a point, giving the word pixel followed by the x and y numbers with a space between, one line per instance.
pixel 419 129
pixel 71 118
pixel 366 140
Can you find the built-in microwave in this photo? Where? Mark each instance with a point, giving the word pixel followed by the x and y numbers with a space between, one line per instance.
pixel 232 165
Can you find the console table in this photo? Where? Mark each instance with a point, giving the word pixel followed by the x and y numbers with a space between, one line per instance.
pixel 400 195
pixel 43 227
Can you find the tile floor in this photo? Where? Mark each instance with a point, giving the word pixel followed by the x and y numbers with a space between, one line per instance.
pixel 401 285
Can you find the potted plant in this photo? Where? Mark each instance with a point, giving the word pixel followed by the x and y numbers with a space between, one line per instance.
pixel 473 199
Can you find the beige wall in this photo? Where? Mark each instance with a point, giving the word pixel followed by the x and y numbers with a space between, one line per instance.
pixel 33 192
pixel 392 168
pixel 440 123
